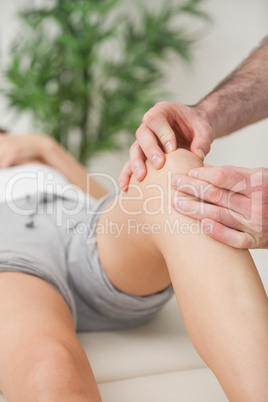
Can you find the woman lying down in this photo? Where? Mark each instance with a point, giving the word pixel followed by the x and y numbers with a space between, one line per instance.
pixel 75 262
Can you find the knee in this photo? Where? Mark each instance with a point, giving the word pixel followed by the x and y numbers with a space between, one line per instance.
pixel 155 193
pixel 180 161
pixel 53 374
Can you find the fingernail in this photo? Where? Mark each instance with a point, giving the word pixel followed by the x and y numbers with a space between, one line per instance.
pixel 123 186
pixel 169 146
pixel 201 153
pixel 193 173
pixel 177 202
pixel 176 182
pixel 207 226
pixel 156 160
pixel 137 172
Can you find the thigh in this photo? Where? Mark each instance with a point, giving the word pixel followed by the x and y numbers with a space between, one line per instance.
pixel 35 322
pixel 126 248
pixel 33 244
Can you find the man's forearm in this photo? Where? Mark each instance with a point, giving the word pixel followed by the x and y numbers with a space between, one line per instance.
pixel 242 98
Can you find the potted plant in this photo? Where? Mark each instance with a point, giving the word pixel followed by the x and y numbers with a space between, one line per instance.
pixel 88 72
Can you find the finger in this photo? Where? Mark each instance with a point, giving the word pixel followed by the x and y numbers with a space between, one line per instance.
pixel 7 160
pixel 218 196
pixel 231 237
pixel 201 140
pixel 229 177
pixel 157 122
pixel 125 176
pixel 137 159
pixel 200 146
pixel 200 210
pixel 148 143
pixel 4 154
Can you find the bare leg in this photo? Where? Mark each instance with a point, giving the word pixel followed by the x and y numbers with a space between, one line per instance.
pixel 218 289
pixel 41 358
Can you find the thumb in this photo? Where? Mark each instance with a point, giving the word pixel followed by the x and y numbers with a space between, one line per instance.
pixel 200 147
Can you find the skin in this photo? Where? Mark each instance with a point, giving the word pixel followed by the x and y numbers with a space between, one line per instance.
pixel 236 214
pixel 239 100
pixel 41 358
pixel 218 289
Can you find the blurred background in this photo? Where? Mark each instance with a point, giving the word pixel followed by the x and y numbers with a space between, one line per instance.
pixel 237 27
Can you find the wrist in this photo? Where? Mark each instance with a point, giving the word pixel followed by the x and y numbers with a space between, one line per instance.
pixel 206 116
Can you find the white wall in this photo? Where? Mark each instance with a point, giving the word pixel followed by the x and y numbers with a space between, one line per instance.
pixel 239 26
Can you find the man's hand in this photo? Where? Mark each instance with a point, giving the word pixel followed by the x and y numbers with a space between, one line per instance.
pixel 164 128
pixel 232 203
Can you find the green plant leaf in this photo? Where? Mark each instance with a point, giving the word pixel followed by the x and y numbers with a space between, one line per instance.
pixel 84 66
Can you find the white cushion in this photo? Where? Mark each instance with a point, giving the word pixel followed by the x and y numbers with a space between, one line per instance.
pixel 199 385
pixel 160 346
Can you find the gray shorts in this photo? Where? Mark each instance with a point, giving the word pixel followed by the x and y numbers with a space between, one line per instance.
pixel 55 239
